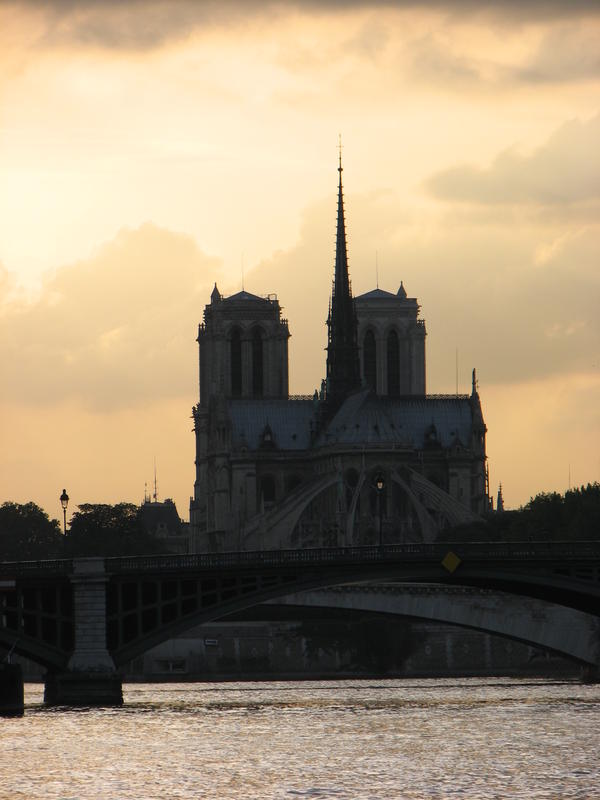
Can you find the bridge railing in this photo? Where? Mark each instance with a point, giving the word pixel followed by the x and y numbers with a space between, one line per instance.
pixel 479 551
pixel 54 566
pixel 582 551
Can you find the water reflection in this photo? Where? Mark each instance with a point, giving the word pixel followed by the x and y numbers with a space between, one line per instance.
pixel 471 738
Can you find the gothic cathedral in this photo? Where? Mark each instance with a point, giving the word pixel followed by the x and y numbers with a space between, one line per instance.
pixel 369 459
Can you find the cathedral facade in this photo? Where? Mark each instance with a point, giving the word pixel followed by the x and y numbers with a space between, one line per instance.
pixel 370 458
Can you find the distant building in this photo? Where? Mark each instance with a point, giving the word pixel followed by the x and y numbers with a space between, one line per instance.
pixel 370 457
pixel 161 520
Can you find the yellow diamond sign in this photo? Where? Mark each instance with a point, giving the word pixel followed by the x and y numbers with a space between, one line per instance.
pixel 450 561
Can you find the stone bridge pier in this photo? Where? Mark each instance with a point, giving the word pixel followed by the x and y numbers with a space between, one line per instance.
pixel 91 678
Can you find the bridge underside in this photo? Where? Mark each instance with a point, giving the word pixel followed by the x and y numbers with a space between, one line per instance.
pixel 562 630
pixel 144 611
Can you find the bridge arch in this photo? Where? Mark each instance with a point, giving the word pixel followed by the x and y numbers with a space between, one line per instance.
pixel 151 599
pixel 566 631
pixel 52 658
pixel 232 592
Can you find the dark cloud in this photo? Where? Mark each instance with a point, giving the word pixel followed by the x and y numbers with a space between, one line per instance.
pixel 564 171
pixel 114 331
pixel 433 62
pixel 566 53
pixel 147 24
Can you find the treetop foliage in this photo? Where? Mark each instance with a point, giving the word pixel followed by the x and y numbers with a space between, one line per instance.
pixel 27 533
pixel 96 529
pixel 99 529
pixel 548 516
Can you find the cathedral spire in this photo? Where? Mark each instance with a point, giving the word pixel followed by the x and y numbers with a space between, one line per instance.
pixel 343 374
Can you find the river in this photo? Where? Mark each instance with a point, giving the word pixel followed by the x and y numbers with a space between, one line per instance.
pixel 374 739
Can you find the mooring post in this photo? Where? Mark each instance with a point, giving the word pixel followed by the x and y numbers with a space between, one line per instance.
pixel 91 678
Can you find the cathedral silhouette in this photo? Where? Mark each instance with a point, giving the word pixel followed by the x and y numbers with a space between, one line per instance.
pixel 370 458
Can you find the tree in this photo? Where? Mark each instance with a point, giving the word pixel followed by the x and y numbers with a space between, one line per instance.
pixel 548 516
pixel 98 529
pixel 27 533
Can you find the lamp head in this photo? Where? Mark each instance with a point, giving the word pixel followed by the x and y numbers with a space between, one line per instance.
pixel 64 499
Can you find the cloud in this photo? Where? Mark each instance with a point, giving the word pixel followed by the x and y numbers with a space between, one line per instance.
pixel 566 53
pixel 148 24
pixel 564 171
pixel 114 331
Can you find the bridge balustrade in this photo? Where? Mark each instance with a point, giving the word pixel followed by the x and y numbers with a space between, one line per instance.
pixel 486 551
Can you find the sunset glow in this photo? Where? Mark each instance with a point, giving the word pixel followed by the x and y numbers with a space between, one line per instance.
pixel 149 149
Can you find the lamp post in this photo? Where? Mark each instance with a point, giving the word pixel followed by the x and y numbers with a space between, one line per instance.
pixel 64 501
pixel 379 487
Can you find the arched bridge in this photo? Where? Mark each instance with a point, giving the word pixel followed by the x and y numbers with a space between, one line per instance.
pixel 562 630
pixel 92 615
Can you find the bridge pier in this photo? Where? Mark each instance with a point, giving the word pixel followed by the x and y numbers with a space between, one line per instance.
pixel 91 678
pixel 12 703
pixel 590 673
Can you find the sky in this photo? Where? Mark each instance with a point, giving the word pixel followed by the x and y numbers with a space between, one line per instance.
pixel 149 149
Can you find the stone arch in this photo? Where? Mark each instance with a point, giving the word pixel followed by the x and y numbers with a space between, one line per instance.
pixel 257 339
pixel 532 621
pixel 511 607
pixel 392 353
pixel 235 360
pixel 369 353
pixel 282 519
pixel 428 526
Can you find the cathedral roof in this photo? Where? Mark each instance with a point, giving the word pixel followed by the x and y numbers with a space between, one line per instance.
pixel 363 419
pixel 367 419
pixel 374 294
pixel 244 296
pixel 290 422
pixel 380 294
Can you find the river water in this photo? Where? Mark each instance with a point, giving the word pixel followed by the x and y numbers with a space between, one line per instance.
pixel 375 739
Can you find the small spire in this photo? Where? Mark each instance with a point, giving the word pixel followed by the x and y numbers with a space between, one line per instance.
pixel 401 291
pixel 474 385
pixel 216 295
pixel 500 500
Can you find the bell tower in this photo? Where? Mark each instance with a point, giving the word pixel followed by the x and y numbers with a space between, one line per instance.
pixel 243 347
pixel 243 356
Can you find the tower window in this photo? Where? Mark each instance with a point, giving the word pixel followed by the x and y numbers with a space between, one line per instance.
pixel 393 364
pixel 236 363
pixel 370 360
pixel 257 363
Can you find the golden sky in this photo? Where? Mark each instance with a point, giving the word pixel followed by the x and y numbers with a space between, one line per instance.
pixel 149 149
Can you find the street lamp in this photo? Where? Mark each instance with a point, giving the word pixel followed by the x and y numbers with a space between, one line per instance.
pixel 64 501
pixel 379 487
